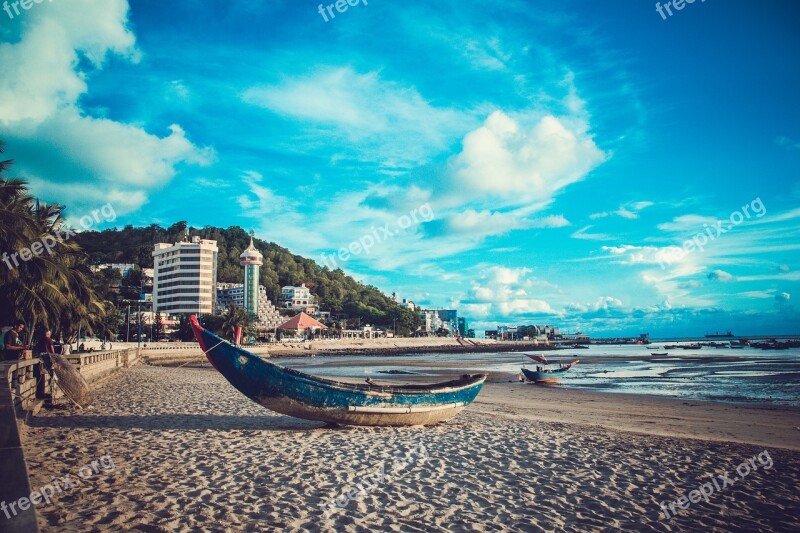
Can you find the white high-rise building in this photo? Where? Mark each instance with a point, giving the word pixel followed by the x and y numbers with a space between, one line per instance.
pixel 185 277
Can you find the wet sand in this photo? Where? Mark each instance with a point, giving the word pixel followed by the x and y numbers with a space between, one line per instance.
pixel 191 453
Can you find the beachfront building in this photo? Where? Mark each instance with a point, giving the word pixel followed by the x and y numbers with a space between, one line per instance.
pixel 251 260
pixel 432 321
pixel 298 299
pixel 268 317
pixel 185 277
pixel 462 326
pixel 365 332
pixel 122 268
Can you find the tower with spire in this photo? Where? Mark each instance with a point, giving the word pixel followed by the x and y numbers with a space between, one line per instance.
pixel 251 260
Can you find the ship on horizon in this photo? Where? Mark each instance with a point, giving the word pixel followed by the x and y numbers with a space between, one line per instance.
pixel 717 335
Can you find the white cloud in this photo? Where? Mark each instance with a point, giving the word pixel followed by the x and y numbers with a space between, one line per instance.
pixel 647 255
pixel 584 234
pixel 390 123
pixel 757 294
pixel 55 143
pixel 720 275
pixel 40 72
pixel 629 211
pixel 687 224
pixel 639 206
pixel 503 292
pixel 517 163
pixel 553 221
pixel 789 144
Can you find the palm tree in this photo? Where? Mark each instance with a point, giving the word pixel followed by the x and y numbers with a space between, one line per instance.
pixel 43 279
pixel 235 316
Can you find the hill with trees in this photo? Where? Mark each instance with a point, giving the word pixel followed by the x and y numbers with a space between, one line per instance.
pixel 336 292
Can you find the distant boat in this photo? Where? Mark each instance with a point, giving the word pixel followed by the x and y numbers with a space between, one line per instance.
pixel 548 372
pixel 671 347
pixel 294 393
pixel 656 353
pixel 718 335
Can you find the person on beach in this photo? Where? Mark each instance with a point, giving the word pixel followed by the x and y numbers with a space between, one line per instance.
pixel 45 345
pixel 14 349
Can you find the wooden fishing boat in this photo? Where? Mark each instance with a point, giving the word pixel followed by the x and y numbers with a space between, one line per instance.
pixel 547 372
pixel 294 393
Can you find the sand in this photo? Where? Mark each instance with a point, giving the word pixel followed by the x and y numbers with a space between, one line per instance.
pixel 191 453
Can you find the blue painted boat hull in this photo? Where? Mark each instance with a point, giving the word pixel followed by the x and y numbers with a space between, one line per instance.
pixel 294 393
pixel 543 377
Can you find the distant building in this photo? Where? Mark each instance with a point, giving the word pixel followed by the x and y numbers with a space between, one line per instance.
pixel 433 320
pixel 123 268
pixel 185 277
pixel 462 326
pixel 233 293
pixel 298 299
pixel 408 304
pixel 551 332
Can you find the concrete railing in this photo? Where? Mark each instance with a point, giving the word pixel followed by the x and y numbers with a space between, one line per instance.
pixel 24 386
pixel 30 384
pixel 15 487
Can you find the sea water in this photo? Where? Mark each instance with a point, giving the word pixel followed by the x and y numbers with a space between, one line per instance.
pixel 744 375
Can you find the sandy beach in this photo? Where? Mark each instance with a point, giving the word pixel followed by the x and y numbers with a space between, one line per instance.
pixel 190 453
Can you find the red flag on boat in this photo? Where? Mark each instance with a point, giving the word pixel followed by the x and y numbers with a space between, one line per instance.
pixel 538 358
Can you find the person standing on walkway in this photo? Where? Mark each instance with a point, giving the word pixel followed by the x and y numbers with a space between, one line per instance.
pixel 46 344
pixel 14 348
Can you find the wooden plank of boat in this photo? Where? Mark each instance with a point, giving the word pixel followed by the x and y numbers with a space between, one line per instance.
pixel 294 393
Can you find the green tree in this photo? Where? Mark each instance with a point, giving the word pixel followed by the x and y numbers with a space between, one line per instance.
pixel 185 331
pixel 45 279
pixel 235 316
pixel 158 327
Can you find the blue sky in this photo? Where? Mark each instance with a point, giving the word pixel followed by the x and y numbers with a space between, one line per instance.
pixel 566 151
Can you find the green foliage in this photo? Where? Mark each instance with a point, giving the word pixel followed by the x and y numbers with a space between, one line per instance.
pixel 214 323
pixel 185 332
pixel 235 317
pixel 158 327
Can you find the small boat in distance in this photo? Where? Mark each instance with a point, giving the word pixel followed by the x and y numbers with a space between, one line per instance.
pixel 547 372
pixel 656 353
pixel 294 393
pixel 718 335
